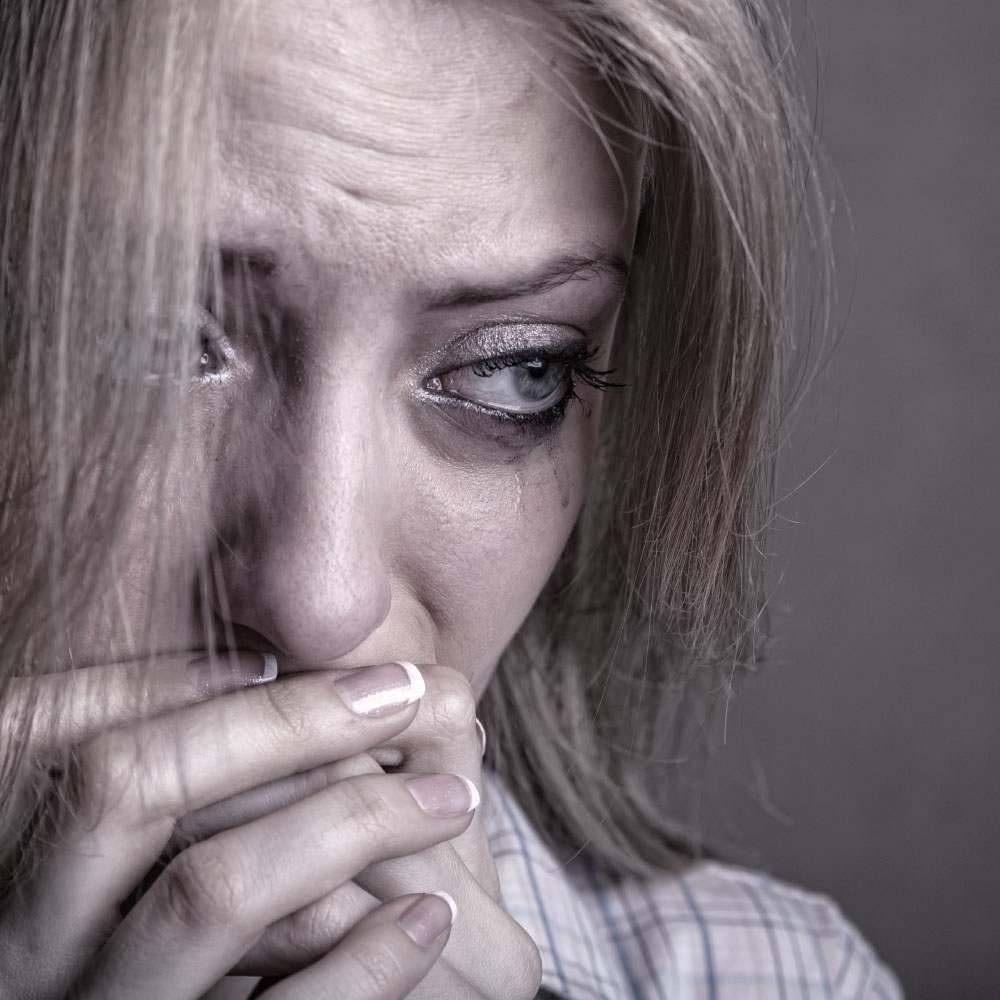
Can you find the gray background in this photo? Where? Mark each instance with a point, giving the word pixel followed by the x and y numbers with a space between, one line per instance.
pixel 863 761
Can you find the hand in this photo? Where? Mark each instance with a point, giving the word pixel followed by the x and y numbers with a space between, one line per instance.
pixel 62 930
pixel 442 737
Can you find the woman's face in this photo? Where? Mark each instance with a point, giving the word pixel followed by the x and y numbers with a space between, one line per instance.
pixel 424 244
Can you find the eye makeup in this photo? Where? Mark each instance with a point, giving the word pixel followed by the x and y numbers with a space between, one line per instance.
pixel 520 375
pixel 239 323
pixel 499 378
pixel 213 350
pixel 199 353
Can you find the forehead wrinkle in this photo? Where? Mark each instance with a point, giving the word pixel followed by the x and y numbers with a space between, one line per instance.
pixel 323 164
pixel 269 162
pixel 358 86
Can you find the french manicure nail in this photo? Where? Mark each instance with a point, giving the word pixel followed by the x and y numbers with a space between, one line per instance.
pixel 443 795
pixel 428 918
pixel 217 673
pixel 379 690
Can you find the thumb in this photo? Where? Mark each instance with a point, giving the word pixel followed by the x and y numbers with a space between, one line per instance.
pixel 58 710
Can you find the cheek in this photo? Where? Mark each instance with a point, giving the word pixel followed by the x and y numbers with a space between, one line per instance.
pixel 142 602
pixel 488 541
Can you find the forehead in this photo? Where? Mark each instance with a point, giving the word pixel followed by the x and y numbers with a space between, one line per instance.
pixel 453 126
pixel 382 75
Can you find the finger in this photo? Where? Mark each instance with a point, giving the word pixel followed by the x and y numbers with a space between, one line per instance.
pixel 385 956
pixel 215 899
pixel 439 739
pixel 244 807
pixel 144 778
pixel 70 706
pixel 444 737
pixel 136 781
pixel 510 966
pixel 440 981
pixel 307 935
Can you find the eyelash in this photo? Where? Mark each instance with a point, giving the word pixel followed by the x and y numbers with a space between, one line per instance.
pixel 211 347
pixel 576 359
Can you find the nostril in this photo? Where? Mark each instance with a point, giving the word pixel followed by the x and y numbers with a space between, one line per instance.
pixel 303 562
pixel 312 624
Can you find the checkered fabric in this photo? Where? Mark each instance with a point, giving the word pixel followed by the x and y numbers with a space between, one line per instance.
pixel 712 932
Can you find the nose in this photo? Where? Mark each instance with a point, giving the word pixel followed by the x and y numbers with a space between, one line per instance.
pixel 302 560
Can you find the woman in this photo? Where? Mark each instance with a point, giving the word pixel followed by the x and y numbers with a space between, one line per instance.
pixel 341 337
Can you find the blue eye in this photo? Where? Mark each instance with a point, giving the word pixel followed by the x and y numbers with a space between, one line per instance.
pixel 534 388
pixel 510 385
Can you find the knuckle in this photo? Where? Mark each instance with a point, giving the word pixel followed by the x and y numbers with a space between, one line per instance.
pixel 123 781
pixel 367 809
pixel 375 967
pixel 453 705
pixel 104 778
pixel 124 695
pixel 287 715
pixel 313 925
pixel 307 934
pixel 526 974
pixel 202 888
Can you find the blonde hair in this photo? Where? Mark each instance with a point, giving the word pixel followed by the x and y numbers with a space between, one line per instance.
pixel 106 122
pixel 659 598
pixel 106 117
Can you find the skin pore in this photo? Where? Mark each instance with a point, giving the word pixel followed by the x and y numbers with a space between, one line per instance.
pixel 416 254
pixel 423 245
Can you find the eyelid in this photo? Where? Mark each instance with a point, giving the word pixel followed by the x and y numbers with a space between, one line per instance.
pixel 208 326
pixel 504 339
pixel 575 360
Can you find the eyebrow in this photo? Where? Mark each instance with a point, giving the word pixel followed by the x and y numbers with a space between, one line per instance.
pixel 553 274
pixel 255 260
pixel 550 275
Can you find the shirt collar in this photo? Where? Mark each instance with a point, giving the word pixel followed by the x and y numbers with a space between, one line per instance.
pixel 557 904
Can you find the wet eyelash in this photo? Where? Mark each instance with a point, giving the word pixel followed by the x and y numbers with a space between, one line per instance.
pixel 577 361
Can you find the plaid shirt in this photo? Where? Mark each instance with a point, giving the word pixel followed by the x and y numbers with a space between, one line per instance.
pixel 712 932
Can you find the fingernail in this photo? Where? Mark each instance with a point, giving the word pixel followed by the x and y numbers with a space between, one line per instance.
pixel 380 690
pixel 443 795
pixel 428 918
pixel 217 673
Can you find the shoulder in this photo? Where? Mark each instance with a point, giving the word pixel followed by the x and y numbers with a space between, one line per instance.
pixel 706 932
pixel 719 931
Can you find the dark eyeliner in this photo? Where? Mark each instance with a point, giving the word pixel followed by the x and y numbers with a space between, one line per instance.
pixel 577 358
